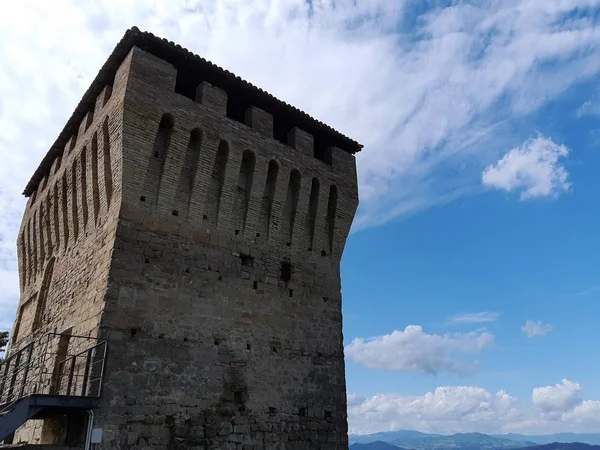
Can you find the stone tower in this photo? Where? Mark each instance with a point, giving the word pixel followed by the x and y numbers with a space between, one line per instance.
pixel 196 223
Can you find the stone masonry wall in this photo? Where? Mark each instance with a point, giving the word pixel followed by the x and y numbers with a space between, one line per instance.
pixel 224 306
pixel 64 247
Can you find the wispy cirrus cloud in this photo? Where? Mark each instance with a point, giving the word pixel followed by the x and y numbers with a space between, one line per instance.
pixel 475 317
pixel 428 91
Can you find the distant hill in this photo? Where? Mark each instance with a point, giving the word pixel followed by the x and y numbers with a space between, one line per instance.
pixel 415 440
pixel 460 441
pixel 564 446
pixel 389 436
pixel 376 445
pixel 585 438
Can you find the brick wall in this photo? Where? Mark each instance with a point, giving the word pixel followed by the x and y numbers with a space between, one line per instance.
pixel 205 244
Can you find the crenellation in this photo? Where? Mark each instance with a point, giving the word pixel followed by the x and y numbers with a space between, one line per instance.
pixel 260 121
pixel 212 97
pixel 205 248
pixel 56 166
pixel 301 141
pixel 102 100
pixel 86 122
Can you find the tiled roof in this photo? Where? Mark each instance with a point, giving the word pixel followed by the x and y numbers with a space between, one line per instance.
pixel 176 55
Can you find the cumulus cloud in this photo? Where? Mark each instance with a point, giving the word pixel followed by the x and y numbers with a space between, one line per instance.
pixel 533 329
pixel 533 169
pixel 477 317
pixel 456 409
pixel 560 397
pixel 413 350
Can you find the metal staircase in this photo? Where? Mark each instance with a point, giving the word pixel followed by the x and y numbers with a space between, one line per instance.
pixel 43 380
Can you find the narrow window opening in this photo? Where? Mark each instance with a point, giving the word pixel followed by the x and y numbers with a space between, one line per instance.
pixel 248 346
pixel 272 410
pixel 328 415
pixel 286 271
pixel 247 260
pixel 175 212
pixel 237 397
pixel 255 285
pixel 143 198
pixel 56 213
pixel 133 332
pixel 217 342
pixel 291 293
pixel 302 412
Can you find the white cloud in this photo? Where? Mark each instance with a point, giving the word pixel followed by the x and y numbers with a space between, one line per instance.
pixel 560 397
pixel 533 169
pixel 455 409
pixel 478 317
pixel 533 329
pixel 422 95
pixel 412 350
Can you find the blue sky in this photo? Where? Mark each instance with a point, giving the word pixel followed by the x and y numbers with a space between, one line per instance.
pixel 470 280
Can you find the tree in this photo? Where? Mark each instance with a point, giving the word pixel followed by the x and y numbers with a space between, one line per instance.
pixel 3 342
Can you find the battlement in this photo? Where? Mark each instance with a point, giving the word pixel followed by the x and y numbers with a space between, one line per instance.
pixel 192 70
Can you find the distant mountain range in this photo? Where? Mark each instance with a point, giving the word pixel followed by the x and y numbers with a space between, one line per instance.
pixel 415 440
pixel 380 445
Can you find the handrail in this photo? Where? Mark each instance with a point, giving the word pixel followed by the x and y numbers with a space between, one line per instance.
pixel 40 368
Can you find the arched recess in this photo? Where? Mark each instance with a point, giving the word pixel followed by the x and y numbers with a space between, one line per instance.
pixel 215 189
pixel 43 294
pixel 108 178
pixel 95 182
pixel 291 205
pixel 244 188
pixel 74 208
pixel 156 164
pixel 188 174
pixel 266 208
pixel 331 211
pixel 311 217
pixel 41 231
pixel 56 215
pixel 84 193
pixel 65 210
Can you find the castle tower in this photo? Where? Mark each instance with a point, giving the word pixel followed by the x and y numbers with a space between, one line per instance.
pixel 185 232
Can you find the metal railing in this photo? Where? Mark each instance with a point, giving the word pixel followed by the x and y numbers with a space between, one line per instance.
pixel 57 364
